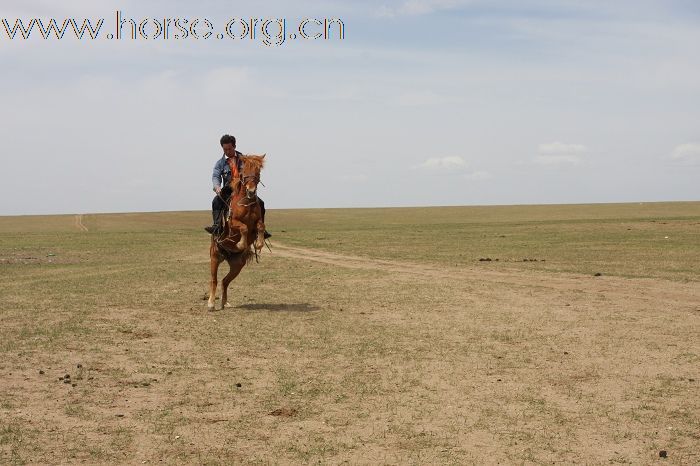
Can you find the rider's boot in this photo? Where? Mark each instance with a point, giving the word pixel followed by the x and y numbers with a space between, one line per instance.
pixel 215 229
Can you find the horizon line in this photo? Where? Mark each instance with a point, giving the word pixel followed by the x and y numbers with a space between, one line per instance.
pixel 360 207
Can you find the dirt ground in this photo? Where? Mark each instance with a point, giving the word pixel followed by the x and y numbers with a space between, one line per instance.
pixel 110 356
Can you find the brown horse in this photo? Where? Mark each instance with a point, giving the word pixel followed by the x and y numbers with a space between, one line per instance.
pixel 243 228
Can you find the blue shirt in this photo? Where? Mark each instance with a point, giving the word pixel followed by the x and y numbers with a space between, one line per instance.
pixel 222 172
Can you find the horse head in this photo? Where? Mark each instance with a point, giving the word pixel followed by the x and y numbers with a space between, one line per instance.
pixel 250 174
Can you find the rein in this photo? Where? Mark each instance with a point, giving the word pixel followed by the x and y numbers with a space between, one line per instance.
pixel 255 201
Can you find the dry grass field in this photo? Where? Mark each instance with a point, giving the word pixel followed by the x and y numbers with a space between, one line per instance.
pixel 367 336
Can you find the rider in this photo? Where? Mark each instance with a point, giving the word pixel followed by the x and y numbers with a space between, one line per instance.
pixel 222 173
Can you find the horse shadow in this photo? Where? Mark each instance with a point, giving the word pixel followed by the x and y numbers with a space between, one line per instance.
pixel 297 307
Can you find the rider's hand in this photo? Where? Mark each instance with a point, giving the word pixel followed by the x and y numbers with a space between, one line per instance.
pixel 218 190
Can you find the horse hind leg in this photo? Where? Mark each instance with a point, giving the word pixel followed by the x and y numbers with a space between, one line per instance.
pixel 235 268
pixel 214 262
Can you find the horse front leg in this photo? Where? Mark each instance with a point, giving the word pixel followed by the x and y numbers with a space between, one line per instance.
pixel 234 269
pixel 243 229
pixel 214 261
pixel 260 239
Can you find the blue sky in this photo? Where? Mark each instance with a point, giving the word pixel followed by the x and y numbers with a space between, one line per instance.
pixel 425 102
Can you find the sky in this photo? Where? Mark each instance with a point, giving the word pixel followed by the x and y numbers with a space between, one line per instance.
pixel 423 102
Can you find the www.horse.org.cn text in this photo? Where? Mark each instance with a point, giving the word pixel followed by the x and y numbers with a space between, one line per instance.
pixel 271 32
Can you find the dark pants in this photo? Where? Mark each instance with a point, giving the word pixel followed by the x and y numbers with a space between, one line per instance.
pixel 219 204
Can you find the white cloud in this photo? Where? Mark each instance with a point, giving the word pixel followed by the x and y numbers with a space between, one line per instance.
pixel 557 148
pixel 443 163
pixel 687 154
pixel 418 7
pixel 478 175
pixel 557 159
pixel 558 153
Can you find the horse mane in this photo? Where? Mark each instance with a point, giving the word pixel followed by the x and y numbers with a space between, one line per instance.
pixel 255 161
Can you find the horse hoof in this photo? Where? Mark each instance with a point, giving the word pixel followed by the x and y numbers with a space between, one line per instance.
pixel 225 305
pixel 210 306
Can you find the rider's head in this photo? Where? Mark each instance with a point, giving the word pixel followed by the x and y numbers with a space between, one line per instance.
pixel 228 144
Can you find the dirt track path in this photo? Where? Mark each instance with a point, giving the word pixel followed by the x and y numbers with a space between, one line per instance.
pixel 79 223
pixel 661 291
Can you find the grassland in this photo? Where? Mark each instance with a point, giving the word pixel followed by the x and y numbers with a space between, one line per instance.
pixel 367 336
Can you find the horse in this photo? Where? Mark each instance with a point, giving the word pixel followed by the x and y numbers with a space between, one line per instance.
pixel 243 227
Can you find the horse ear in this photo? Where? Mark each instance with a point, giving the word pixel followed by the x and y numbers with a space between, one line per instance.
pixel 263 156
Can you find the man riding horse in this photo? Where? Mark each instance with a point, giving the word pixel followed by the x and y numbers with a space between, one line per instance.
pixel 228 167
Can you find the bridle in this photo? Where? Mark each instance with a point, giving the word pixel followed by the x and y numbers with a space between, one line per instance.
pixel 242 180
